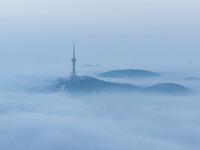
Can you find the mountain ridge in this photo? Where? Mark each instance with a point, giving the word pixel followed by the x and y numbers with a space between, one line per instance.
pixel 87 84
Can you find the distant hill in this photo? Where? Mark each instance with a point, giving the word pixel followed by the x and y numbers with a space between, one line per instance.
pixel 169 88
pixel 88 84
pixel 192 79
pixel 129 73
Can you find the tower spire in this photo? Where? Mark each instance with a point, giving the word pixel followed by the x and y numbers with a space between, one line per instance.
pixel 73 74
pixel 74 51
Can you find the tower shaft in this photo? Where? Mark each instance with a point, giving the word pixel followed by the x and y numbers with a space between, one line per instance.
pixel 73 74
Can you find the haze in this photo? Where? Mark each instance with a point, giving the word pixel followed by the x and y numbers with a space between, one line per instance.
pixel 36 39
pixel 148 34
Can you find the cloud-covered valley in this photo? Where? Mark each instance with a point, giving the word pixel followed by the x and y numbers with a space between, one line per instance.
pixel 39 119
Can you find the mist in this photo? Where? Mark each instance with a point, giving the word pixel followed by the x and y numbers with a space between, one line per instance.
pixel 36 39
pixel 32 117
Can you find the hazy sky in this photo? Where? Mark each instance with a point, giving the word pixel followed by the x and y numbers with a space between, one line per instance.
pixel 120 33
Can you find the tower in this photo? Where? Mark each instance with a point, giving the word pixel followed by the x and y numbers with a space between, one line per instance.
pixel 73 74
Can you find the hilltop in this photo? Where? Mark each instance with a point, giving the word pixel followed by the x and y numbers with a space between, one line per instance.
pixel 129 73
pixel 91 84
pixel 87 84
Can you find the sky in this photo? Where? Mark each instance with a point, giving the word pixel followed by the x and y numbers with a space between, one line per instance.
pixel 36 40
pixel 114 33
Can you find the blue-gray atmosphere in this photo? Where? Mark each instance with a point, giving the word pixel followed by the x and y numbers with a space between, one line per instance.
pixel 99 75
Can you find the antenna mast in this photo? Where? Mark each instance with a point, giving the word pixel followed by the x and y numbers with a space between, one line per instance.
pixel 74 74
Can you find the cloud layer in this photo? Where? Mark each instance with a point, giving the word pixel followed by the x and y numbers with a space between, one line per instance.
pixel 41 120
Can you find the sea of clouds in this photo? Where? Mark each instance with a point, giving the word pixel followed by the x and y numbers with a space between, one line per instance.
pixel 32 117
pixel 35 51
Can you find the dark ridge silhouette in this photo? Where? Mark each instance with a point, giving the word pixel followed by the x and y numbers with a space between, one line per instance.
pixel 129 73
pixel 88 84
pixel 192 79
pixel 169 88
